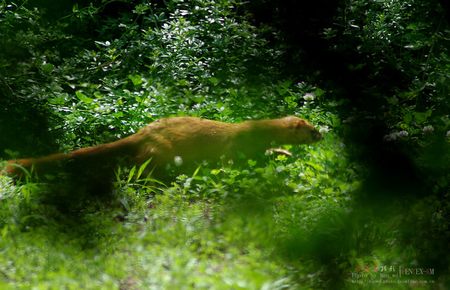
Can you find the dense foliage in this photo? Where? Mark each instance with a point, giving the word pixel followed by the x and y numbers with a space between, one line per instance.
pixel 349 212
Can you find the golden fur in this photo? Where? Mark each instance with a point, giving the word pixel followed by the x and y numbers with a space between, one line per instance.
pixel 185 139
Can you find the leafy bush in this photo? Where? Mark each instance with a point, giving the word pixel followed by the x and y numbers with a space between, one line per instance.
pixel 398 47
pixel 106 69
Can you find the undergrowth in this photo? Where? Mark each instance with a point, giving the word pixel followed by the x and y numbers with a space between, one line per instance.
pixel 95 73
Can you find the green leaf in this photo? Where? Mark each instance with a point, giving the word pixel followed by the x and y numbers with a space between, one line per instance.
pixel 196 171
pixel 215 171
pixel 135 79
pixel 58 100
pixel 319 92
pixel 214 81
pixel 82 97
pixel 131 174
pixel 251 163
pixel 98 95
pixel 407 118
pixel 422 117
pixel 47 68
pixel 142 168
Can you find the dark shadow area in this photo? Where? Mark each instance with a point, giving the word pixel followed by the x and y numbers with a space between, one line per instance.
pixel 24 127
pixel 398 183
pixel 69 204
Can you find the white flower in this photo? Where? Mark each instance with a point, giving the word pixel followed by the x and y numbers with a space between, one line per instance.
pixel 396 135
pixel 309 97
pixel 324 129
pixel 448 134
pixel 428 129
pixel 178 161
pixel 403 134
